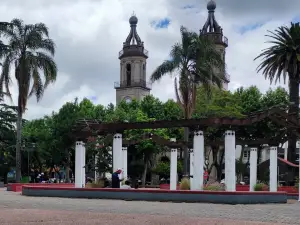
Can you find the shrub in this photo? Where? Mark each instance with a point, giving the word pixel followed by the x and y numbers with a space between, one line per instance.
pixel 97 184
pixel 259 187
pixel 185 184
pixel 297 183
pixel 163 169
pixel 214 187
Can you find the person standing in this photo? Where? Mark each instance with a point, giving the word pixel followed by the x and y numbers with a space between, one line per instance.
pixel 115 179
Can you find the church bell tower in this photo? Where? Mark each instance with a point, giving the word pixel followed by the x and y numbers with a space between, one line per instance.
pixel 213 31
pixel 133 63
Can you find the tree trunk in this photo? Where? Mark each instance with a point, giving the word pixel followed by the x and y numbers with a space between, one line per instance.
pixel 18 147
pixel 293 112
pixel 259 148
pixel 67 168
pixel 186 152
pixel 145 174
pixel 220 166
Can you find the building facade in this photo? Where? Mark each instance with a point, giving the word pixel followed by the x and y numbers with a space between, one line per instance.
pixel 214 31
pixel 133 66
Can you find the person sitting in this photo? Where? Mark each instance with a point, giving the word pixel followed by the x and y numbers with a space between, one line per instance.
pixel 115 179
pixel 126 185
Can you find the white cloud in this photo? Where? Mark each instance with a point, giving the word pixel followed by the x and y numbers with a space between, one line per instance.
pixel 89 34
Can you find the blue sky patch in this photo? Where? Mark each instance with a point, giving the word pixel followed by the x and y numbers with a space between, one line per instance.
pixel 296 19
pixel 249 27
pixel 161 24
pixel 188 7
pixel 93 98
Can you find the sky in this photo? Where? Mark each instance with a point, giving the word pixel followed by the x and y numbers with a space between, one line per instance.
pixel 90 33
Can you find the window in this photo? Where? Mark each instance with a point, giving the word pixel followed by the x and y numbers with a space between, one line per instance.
pixel 144 71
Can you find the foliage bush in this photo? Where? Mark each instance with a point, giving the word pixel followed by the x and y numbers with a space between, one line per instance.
pixel 163 169
pixel 96 184
pixel 214 187
pixel 297 183
pixel 185 184
pixel 260 187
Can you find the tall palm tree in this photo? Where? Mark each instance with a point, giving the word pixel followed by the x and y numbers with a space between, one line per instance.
pixel 195 61
pixel 31 52
pixel 282 60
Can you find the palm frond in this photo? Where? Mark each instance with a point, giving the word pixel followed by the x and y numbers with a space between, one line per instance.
pixel 282 58
pixel 166 67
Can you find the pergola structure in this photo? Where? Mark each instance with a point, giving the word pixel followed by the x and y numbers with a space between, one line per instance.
pixel 87 128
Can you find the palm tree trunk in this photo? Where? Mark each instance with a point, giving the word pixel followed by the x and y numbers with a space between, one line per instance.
pixel 186 152
pixel 293 111
pixel 18 146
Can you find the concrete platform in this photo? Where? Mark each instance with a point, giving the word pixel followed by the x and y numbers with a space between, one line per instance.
pixel 157 195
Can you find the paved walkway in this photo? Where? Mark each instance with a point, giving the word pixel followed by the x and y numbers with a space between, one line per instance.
pixel 20 210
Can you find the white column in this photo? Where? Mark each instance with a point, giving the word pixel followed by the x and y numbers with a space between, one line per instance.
pixel 83 163
pixel 173 169
pixel 78 164
pixel 198 169
pixel 253 168
pixel 285 146
pixel 117 152
pixel 273 169
pixel 299 177
pixel 125 160
pixel 191 167
pixel 230 178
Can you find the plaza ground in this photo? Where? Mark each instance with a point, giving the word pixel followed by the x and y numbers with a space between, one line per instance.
pixel 20 210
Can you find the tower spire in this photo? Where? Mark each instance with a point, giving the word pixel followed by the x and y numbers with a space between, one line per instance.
pixel 133 38
pixel 211 25
pixel 212 30
pixel 133 45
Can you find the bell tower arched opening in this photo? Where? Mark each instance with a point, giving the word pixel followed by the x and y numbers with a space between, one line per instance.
pixel 128 74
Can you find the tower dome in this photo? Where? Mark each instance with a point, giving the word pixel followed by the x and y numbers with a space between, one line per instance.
pixel 211 5
pixel 133 20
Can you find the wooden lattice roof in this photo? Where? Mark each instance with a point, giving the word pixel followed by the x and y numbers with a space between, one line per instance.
pixel 85 128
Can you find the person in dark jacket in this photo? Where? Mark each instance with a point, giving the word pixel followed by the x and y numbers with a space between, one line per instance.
pixel 115 179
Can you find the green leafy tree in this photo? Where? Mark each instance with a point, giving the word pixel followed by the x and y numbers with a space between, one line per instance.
pixel 64 122
pixel 40 132
pixel 99 158
pixel 220 103
pixel 8 118
pixel 152 107
pixel 30 50
pixel 239 104
pixel 163 169
pixel 280 61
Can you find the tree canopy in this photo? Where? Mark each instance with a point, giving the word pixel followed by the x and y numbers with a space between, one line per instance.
pixel 55 146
